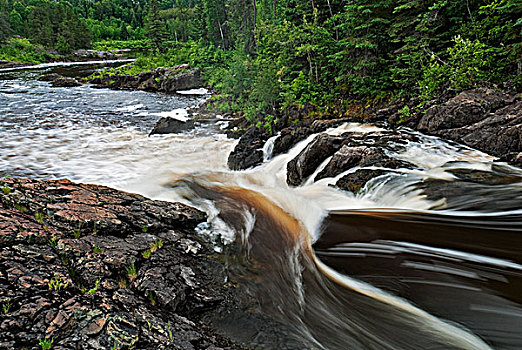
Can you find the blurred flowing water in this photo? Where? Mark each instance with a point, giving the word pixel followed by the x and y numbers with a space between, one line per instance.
pixel 388 268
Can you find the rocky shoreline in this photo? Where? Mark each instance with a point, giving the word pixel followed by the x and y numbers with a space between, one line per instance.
pixel 89 267
pixel 483 118
pixel 166 80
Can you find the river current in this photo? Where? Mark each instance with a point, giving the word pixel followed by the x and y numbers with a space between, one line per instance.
pixel 388 268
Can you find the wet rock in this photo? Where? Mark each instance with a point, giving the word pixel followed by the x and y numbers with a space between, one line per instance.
pixel 50 77
pixel 168 125
pixel 289 137
pixel 65 82
pixel 355 181
pixel 95 268
pixel 304 165
pixel 167 80
pixel 485 119
pixel 348 157
pixel 467 108
pixel 249 150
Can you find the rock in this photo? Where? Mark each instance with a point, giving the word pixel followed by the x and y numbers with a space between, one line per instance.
pixel 467 108
pixel 182 78
pixel 348 157
pixel 167 80
pixel 168 125
pixel 50 77
pixel 249 150
pixel 88 266
pixel 305 163
pixel 485 119
pixel 289 137
pixel 355 181
pixel 65 82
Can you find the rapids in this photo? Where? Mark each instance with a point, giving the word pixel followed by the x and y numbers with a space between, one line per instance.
pixel 388 268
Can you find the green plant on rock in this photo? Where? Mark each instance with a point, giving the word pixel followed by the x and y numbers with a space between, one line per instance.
pixel 53 242
pixel 146 254
pixel 156 245
pixel 57 284
pixel 95 289
pixel 97 250
pixel 39 217
pixel 131 272
pixel 46 343
pixel 6 307
pixel 267 124
pixel 405 113
pixel 6 189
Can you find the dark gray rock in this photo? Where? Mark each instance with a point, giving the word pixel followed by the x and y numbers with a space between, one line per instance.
pixel 348 157
pixel 467 108
pixel 355 181
pixel 249 150
pixel 289 137
pixel 50 77
pixel 65 82
pixel 305 163
pixel 168 125
pixel 485 119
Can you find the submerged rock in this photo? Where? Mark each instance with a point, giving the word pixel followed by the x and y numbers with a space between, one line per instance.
pixel 50 77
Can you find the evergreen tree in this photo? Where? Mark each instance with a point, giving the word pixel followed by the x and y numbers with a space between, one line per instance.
pixel 155 26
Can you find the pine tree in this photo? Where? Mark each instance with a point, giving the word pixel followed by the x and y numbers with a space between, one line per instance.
pixel 155 26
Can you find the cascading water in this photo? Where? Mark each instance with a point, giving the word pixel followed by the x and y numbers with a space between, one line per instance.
pixel 388 268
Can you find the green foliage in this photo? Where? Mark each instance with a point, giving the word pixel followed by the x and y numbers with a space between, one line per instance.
pixel 46 343
pixel 146 254
pixel 21 50
pixel 468 63
pixel 131 272
pixel 57 284
pixel 6 307
pixel 95 289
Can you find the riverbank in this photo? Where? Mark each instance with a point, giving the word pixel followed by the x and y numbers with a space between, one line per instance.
pixel 20 52
pixel 485 119
pixel 91 267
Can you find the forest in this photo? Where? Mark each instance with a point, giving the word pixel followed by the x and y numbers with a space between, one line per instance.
pixel 264 56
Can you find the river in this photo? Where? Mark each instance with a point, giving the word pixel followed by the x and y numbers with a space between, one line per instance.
pixel 388 268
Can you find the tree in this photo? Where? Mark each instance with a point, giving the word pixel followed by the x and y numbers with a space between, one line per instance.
pixel 5 29
pixel 155 26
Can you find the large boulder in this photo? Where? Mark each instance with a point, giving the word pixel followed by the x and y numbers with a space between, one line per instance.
pixel 485 119
pixel 249 150
pixel 348 157
pixel 307 161
pixel 465 109
pixel 169 125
